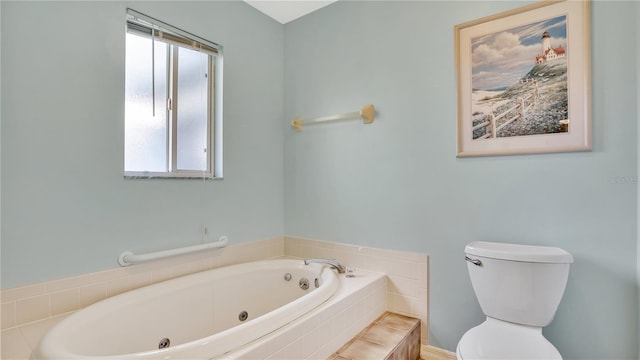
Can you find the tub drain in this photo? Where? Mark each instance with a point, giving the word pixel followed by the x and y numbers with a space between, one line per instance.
pixel 164 343
pixel 243 316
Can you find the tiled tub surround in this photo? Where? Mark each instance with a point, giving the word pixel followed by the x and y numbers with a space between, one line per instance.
pixel 29 311
pixel 203 314
pixel 407 273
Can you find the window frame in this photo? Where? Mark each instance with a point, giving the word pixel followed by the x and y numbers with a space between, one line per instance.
pixel 181 39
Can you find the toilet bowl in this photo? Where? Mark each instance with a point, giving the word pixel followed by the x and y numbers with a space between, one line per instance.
pixel 497 339
pixel 519 288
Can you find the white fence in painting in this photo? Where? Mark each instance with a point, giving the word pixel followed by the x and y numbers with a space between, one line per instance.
pixel 515 112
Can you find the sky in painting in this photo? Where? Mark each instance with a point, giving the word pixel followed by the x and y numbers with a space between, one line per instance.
pixel 500 59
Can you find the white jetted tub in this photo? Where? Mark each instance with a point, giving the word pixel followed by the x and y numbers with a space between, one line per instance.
pixel 199 316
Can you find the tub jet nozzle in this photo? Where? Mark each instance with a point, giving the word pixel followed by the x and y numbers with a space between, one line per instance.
pixel 164 343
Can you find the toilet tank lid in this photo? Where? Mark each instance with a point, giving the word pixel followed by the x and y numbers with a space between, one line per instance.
pixel 518 252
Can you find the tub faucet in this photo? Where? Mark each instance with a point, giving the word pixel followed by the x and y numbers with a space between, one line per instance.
pixel 334 264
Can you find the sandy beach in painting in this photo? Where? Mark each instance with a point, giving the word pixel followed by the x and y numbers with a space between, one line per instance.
pixel 483 101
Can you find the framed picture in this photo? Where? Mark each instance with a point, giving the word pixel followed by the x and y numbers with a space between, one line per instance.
pixel 524 81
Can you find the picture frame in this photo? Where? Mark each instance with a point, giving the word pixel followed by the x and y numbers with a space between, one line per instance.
pixel 524 81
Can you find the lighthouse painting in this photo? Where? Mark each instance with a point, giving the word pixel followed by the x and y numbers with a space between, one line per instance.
pixel 519 81
pixel 524 80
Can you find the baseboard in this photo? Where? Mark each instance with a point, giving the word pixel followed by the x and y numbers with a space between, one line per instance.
pixel 428 352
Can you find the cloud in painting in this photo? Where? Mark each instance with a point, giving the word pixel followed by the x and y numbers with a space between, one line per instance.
pixel 502 58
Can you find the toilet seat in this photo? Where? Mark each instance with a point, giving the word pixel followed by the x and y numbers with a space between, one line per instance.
pixel 497 339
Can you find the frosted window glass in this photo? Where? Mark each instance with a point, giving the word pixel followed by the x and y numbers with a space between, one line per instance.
pixel 145 134
pixel 174 137
pixel 192 110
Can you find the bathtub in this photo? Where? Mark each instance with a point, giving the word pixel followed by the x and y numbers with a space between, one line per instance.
pixel 206 315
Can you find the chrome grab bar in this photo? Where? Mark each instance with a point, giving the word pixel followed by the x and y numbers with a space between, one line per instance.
pixel 475 262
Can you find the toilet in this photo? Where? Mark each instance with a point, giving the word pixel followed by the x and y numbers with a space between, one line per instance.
pixel 519 288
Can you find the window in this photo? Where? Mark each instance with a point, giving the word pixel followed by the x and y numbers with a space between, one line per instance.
pixel 173 102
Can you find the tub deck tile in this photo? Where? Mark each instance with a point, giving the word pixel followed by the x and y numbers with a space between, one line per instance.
pixel 389 337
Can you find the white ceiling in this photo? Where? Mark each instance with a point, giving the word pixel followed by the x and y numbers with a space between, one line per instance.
pixel 288 10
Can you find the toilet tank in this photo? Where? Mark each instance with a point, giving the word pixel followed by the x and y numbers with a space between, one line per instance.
pixel 522 284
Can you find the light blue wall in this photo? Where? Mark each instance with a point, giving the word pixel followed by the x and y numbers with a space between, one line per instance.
pixel 637 32
pixel 66 208
pixel 397 184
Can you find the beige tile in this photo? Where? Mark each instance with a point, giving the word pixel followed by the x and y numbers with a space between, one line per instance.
pixel 8 315
pixel 419 308
pixel 91 294
pixel 400 285
pixel 292 247
pixel 419 272
pixel 23 292
pixel 420 293
pixel 383 264
pixel 307 250
pixel 170 272
pixel 276 240
pixel 401 304
pixel 390 297
pixel 300 348
pixel 32 309
pixel 363 349
pixel 270 251
pixel 118 286
pixel 196 265
pixel 402 268
pixel 369 251
pixel 73 282
pixel 14 345
pixel 252 253
pixel 139 280
pixel 229 255
pixel 313 242
pixel 105 275
pixel 64 301
pixel 409 256
pixel 34 331
pixel 216 259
